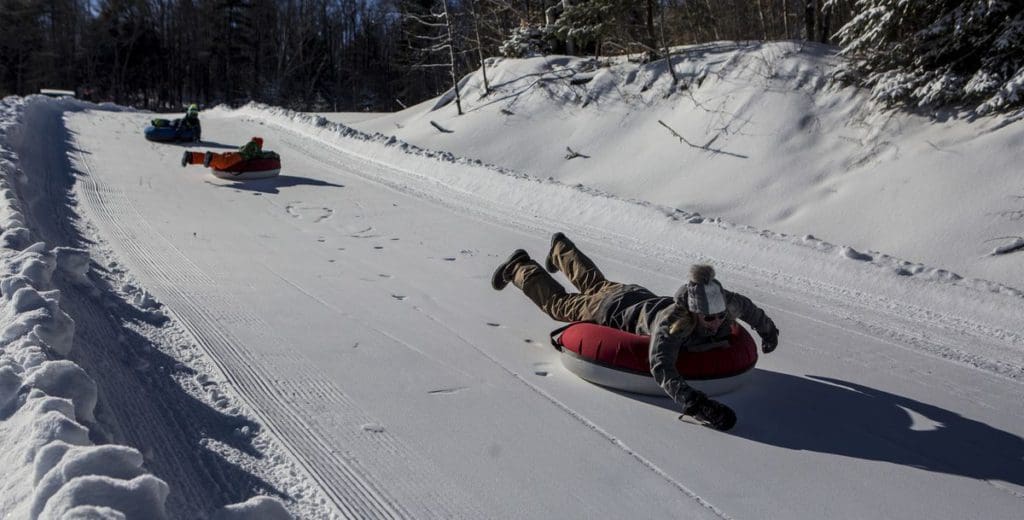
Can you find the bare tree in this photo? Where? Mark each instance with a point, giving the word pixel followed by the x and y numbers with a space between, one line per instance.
pixel 437 43
pixel 476 20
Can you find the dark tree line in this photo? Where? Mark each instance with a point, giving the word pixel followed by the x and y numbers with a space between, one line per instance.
pixel 386 54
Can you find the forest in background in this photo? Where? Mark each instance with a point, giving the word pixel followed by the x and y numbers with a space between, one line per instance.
pixel 383 55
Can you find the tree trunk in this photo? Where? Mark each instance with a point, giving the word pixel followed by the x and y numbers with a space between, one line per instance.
pixel 760 16
pixel 785 19
pixel 711 18
pixel 667 51
pixel 652 41
pixel 824 26
pixel 451 56
pixel 570 48
pixel 810 10
pixel 480 46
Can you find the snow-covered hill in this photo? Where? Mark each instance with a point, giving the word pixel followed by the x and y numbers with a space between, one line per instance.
pixel 329 338
pixel 753 133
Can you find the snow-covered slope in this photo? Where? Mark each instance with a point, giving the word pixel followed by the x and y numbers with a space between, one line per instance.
pixel 761 138
pixel 329 337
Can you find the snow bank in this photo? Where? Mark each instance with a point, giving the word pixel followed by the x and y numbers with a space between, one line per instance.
pixel 754 133
pixel 263 508
pixel 52 468
pixel 581 203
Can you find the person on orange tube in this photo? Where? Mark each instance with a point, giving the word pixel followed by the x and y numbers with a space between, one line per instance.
pixel 227 160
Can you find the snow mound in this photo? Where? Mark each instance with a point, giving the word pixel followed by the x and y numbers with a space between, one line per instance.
pixel 52 469
pixel 587 203
pixel 262 507
pixel 750 132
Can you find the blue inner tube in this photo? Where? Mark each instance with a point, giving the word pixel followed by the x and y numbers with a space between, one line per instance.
pixel 166 134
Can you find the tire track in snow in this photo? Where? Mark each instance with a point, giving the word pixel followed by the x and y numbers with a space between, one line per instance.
pixel 392 457
pixel 586 422
pixel 199 483
pixel 351 488
pixel 163 444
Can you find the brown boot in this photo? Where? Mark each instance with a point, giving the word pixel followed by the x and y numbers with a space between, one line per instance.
pixel 549 262
pixel 503 274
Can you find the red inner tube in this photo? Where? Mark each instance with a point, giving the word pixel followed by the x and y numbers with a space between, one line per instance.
pixel 621 350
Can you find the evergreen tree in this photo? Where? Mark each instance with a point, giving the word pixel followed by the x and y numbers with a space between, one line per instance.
pixel 928 52
pixel 19 43
pixel 589 23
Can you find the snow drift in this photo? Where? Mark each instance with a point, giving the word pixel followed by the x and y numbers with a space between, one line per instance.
pixel 54 453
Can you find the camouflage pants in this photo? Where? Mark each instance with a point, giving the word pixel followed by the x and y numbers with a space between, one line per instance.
pixel 551 297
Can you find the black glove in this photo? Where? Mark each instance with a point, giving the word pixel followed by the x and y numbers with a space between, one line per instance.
pixel 769 340
pixel 710 413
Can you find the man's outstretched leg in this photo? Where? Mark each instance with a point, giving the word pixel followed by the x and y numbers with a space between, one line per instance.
pixel 546 293
pixel 580 269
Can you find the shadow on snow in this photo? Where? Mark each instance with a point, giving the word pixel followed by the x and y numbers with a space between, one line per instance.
pixel 828 415
pixel 273 185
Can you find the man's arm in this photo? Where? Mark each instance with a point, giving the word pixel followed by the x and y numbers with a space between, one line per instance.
pixel 664 353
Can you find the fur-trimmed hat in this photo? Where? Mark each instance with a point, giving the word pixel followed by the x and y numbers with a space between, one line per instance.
pixel 702 293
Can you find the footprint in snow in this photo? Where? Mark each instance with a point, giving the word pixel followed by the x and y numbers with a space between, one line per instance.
pixel 364 233
pixel 853 254
pixel 541 369
pixel 373 428
pixel 537 344
pixel 316 213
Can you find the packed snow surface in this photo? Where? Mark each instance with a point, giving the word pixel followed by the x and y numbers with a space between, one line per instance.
pixel 325 344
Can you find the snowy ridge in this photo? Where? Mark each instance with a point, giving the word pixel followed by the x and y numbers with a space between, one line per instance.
pixel 55 449
pixel 318 125
pixel 751 133
pixel 52 468
pixel 873 281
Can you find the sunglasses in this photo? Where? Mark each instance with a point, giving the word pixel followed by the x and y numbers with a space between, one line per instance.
pixel 711 318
